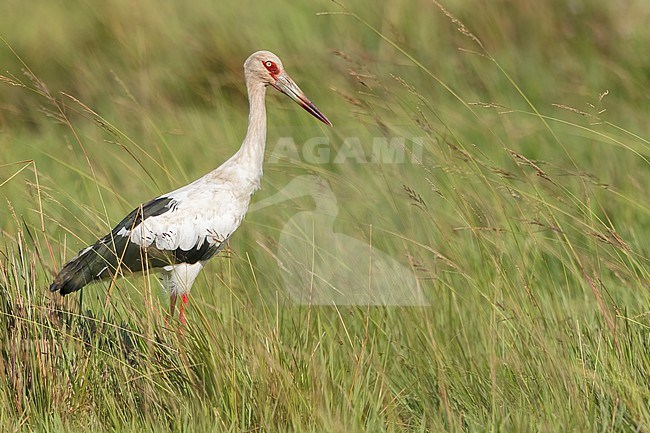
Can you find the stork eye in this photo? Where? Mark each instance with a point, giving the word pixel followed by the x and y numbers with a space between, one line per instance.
pixel 271 67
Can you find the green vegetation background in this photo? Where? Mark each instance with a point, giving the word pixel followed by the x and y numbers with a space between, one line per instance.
pixel 526 221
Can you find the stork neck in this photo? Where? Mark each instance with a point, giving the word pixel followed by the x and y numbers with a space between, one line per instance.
pixel 251 154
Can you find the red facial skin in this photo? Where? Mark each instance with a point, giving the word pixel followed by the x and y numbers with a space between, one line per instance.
pixel 272 68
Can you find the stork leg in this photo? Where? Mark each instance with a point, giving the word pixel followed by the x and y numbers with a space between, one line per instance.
pixel 179 280
pixel 172 304
pixel 181 315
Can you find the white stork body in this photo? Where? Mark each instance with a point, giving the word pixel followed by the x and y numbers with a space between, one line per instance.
pixel 179 231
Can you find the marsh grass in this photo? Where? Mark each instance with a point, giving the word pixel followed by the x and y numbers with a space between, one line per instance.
pixel 525 220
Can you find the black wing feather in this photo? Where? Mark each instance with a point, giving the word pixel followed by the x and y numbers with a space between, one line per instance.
pixel 115 254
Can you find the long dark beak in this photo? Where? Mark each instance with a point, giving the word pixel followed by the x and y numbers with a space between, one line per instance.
pixel 286 85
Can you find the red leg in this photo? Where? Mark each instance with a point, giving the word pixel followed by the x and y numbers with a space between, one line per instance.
pixel 172 305
pixel 184 300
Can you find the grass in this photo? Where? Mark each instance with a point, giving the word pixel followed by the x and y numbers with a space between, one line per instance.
pixel 525 217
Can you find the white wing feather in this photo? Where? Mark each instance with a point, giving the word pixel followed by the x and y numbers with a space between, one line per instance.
pixel 197 214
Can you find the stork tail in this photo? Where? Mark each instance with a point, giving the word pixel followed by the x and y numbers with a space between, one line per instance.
pixel 91 264
pixel 75 274
pixel 113 251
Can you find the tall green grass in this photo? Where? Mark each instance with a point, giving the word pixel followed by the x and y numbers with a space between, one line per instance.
pixel 525 218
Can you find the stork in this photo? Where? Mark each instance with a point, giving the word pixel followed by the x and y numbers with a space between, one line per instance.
pixel 176 233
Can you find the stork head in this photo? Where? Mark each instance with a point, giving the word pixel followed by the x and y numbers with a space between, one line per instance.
pixel 266 67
